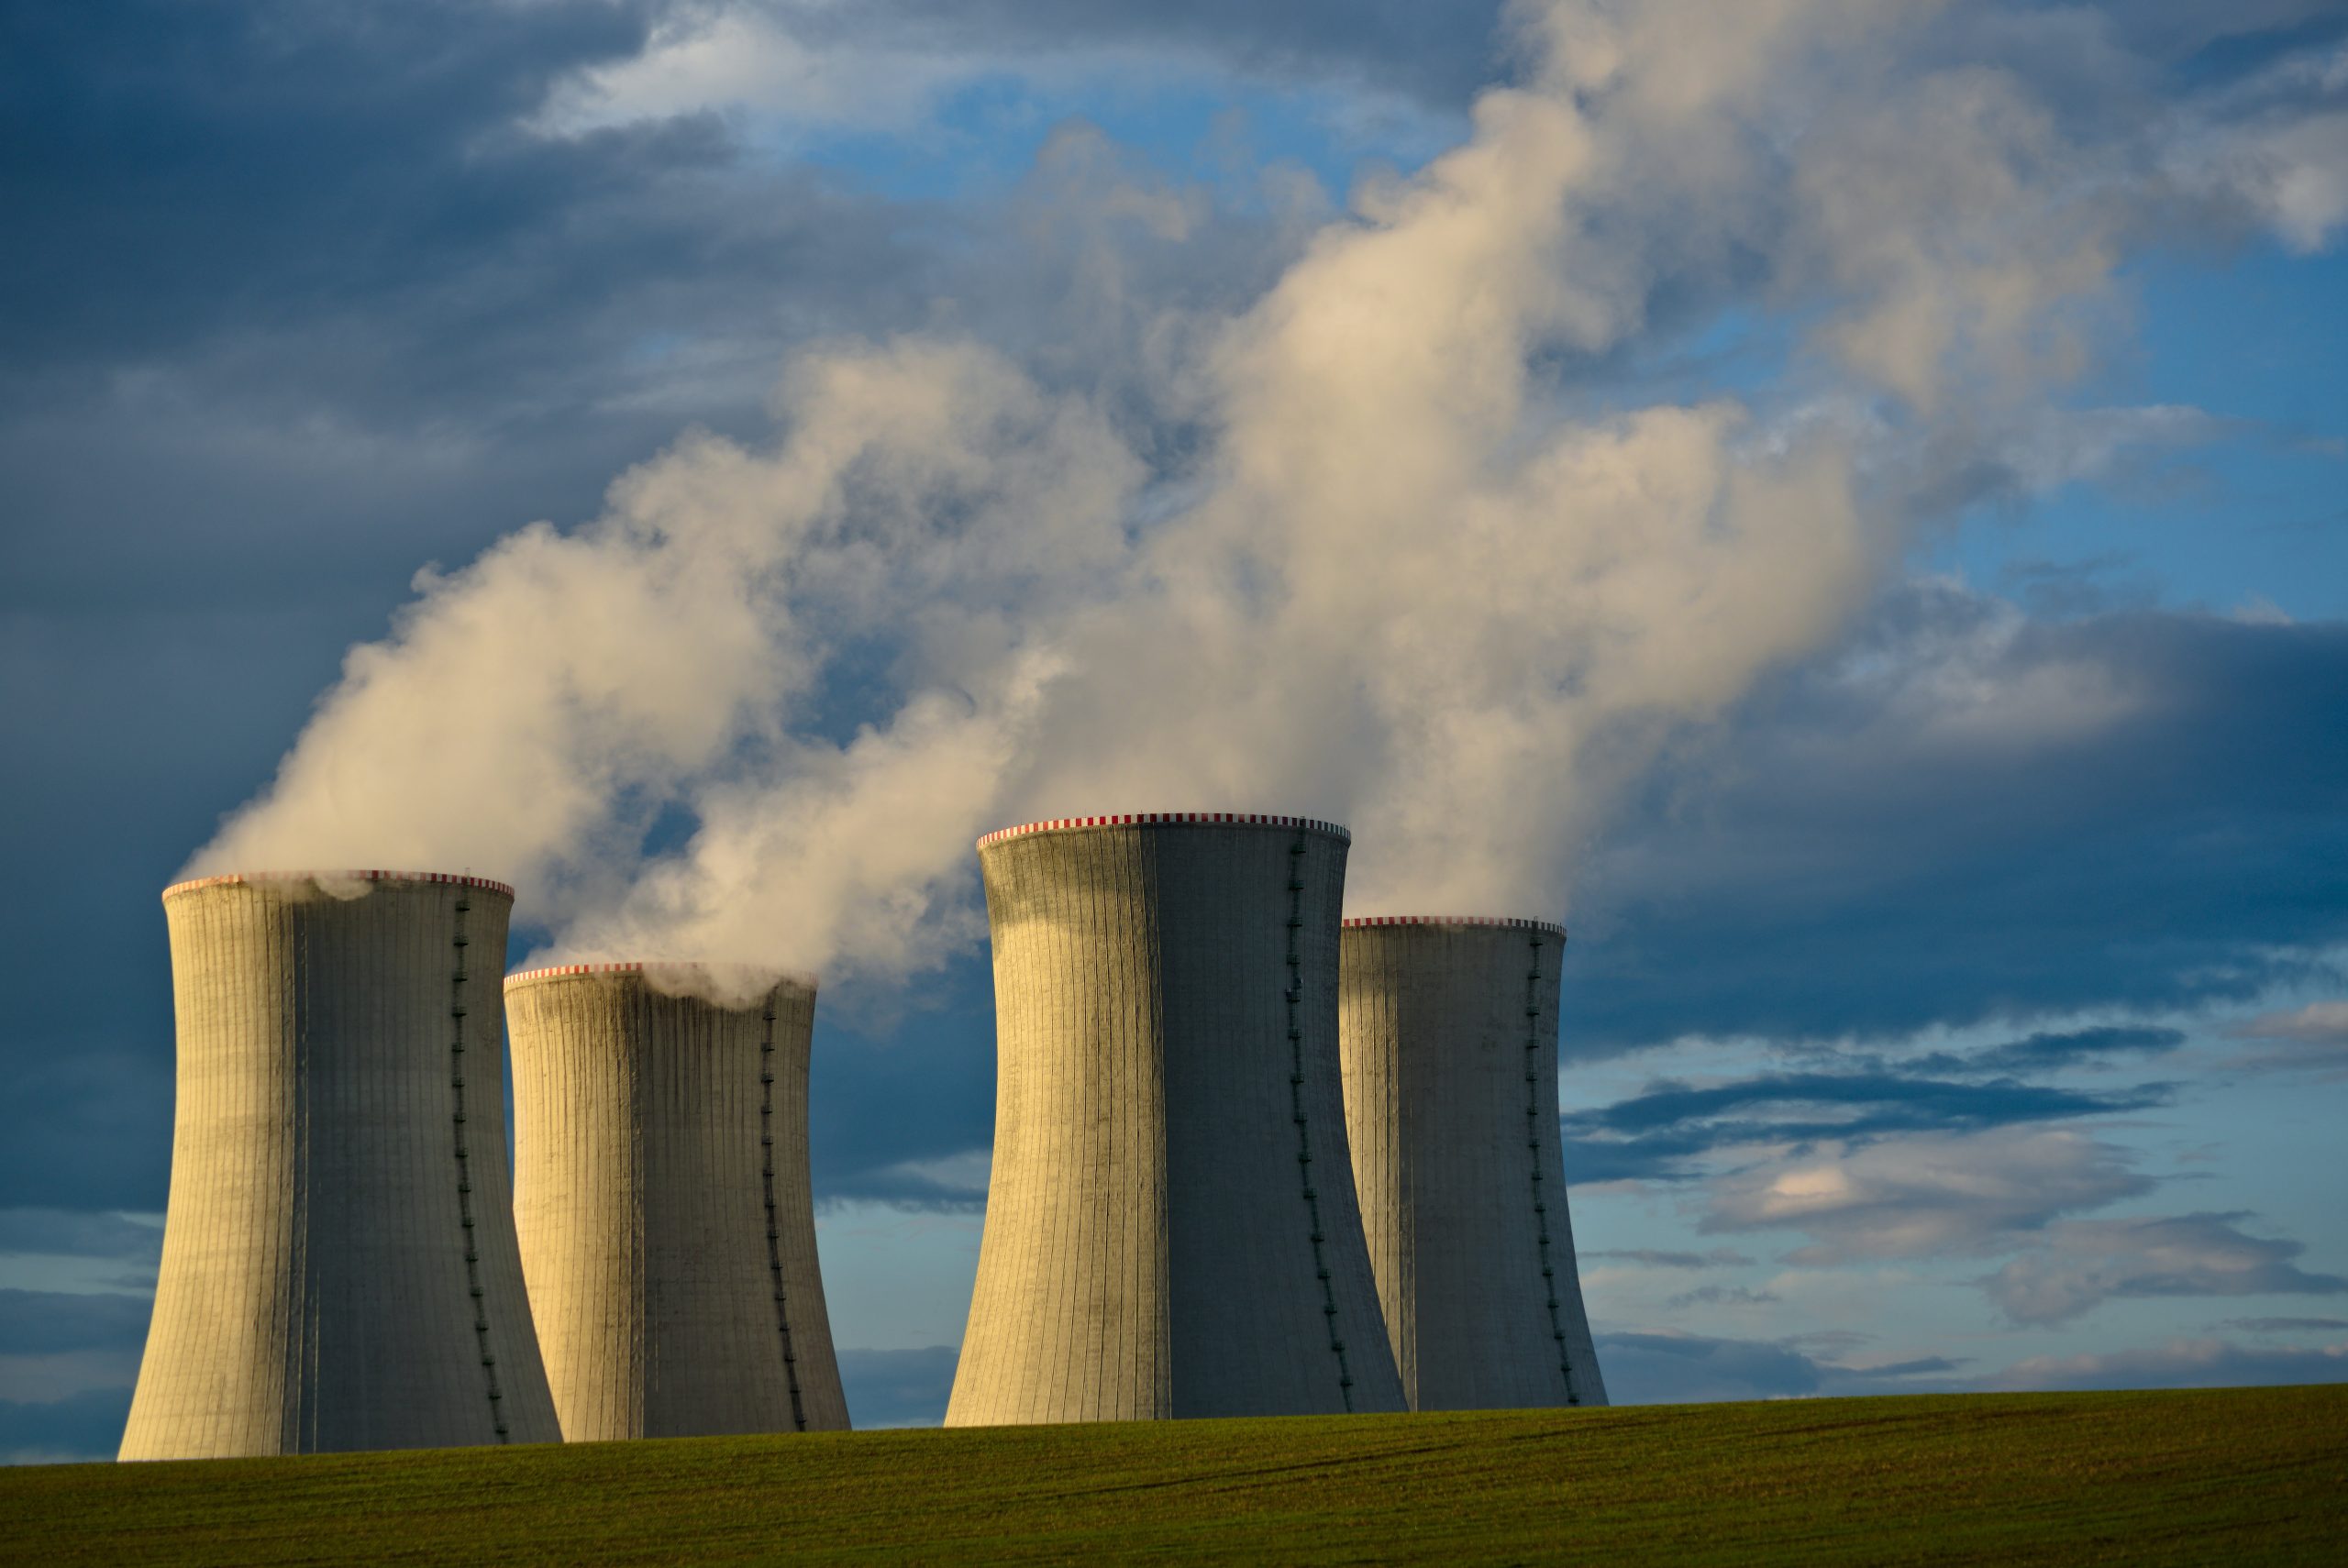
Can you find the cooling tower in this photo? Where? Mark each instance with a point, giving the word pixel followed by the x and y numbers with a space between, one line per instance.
pixel 668 1232
pixel 1170 1226
pixel 339 1269
pixel 1449 1030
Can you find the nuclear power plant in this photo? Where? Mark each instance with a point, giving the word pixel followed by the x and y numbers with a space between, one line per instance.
pixel 339 1269
pixel 1171 1228
pixel 1449 1037
pixel 1249 1160
pixel 661 1196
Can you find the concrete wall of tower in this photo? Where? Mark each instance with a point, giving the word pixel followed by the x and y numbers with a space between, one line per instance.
pixel 1449 1038
pixel 339 1266
pixel 1171 1228
pixel 666 1224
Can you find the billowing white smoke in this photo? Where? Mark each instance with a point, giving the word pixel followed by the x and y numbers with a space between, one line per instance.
pixel 1417 581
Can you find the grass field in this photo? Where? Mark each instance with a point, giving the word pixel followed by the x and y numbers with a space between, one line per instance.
pixel 2232 1476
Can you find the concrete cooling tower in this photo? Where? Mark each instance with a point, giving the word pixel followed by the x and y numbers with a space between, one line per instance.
pixel 339 1269
pixel 1171 1227
pixel 1449 1033
pixel 661 1193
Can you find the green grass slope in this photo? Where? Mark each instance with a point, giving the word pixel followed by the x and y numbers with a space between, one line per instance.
pixel 2237 1476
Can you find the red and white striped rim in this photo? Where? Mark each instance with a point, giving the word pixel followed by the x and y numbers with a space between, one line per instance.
pixel 1172 819
pixel 558 971
pixel 672 965
pixel 448 877
pixel 1364 922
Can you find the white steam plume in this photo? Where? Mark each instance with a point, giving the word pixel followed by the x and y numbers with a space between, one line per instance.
pixel 1417 581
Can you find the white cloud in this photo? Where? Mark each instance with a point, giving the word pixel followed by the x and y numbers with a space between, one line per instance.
pixel 954 1178
pixel 1920 1195
pixel 2313 1038
pixel 751 60
pixel 2079 1265
pixel 530 708
pixel 2072 445
pixel 2317 1023
pixel 2277 144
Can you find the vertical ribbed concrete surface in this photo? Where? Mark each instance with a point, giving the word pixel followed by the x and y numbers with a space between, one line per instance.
pixel 339 1269
pixel 1171 1227
pixel 1449 1030
pixel 661 1193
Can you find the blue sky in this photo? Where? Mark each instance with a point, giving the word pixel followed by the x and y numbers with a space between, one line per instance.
pixel 1955 994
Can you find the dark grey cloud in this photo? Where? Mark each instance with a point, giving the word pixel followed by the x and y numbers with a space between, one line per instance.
pixel 1939 1104
pixel 1668 1129
pixel 898 1387
pixel 84 1426
pixel 1964 818
pixel 303 292
pixel 341 191
pixel 43 1323
pixel 2080 1265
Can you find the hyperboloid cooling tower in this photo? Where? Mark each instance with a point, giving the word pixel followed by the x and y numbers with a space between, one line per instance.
pixel 339 1269
pixel 1170 1226
pixel 662 1192
pixel 1450 1041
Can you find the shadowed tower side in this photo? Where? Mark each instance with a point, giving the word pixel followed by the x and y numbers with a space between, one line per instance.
pixel 1170 1228
pixel 1449 1035
pixel 667 1225
pixel 339 1269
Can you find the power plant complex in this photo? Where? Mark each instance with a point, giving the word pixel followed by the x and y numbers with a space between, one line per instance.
pixel 660 1190
pixel 1249 1159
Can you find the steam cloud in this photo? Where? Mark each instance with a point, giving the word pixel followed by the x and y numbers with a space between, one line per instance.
pixel 1417 577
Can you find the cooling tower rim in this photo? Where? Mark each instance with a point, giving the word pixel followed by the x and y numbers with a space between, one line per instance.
pixel 1171 819
pixel 445 878
pixel 1511 922
pixel 653 967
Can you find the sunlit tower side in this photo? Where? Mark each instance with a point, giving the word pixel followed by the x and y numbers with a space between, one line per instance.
pixel 339 1269
pixel 1170 1227
pixel 662 1197
pixel 1450 1034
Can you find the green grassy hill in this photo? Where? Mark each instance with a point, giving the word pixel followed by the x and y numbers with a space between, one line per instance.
pixel 2237 1476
